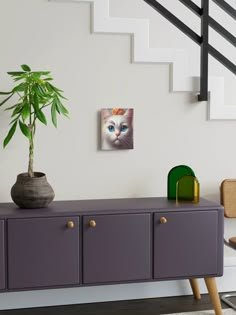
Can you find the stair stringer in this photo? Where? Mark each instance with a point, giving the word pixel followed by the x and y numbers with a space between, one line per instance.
pixel 180 79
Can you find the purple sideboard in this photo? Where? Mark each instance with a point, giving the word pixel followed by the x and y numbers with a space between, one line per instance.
pixel 187 245
pixel 93 242
pixel 2 256
pixel 118 248
pixel 43 252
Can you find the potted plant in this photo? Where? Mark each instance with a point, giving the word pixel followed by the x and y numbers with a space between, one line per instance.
pixel 35 93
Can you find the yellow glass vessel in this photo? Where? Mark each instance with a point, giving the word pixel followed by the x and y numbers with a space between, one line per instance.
pixel 187 189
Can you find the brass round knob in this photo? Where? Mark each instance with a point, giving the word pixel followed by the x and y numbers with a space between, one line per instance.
pixel 163 220
pixel 70 224
pixel 92 223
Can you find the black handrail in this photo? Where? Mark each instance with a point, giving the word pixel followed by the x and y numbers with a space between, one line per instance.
pixel 222 59
pixel 213 23
pixel 226 7
pixel 222 31
pixel 192 6
pixel 202 40
pixel 174 20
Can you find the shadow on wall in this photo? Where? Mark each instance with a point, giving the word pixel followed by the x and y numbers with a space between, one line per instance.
pixel 99 126
pixel 213 197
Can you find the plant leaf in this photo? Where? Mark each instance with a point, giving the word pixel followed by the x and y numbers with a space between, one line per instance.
pixel 20 88
pixel 48 86
pixel 25 111
pixel 25 68
pixel 16 73
pixel 5 93
pixel 41 72
pixel 40 90
pixel 54 114
pixel 40 115
pixel 10 134
pixel 58 109
pixel 25 130
pixel 17 110
pixel 36 102
pixel 13 120
pixel 19 78
pixel 54 88
pixel 3 102
pixel 13 106
pixel 62 108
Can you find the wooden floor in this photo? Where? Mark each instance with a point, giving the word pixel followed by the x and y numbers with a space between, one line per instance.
pixel 155 306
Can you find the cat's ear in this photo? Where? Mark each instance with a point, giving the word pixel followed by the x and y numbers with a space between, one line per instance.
pixel 105 114
pixel 129 113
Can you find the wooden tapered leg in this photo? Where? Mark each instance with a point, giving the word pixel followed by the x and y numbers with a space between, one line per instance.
pixel 214 295
pixel 195 288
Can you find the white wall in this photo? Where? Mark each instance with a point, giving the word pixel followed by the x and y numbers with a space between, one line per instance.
pixel 95 71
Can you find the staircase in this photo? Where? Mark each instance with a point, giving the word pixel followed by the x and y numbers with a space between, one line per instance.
pixel 181 81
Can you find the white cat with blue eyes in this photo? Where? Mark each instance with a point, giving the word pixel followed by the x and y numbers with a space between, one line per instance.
pixel 117 129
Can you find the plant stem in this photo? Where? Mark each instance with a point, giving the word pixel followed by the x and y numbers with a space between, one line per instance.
pixel 31 140
pixel 31 156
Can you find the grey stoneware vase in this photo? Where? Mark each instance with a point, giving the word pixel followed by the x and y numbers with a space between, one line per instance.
pixel 32 192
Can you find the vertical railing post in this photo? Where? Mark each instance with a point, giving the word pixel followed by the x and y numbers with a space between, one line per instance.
pixel 203 40
pixel 204 51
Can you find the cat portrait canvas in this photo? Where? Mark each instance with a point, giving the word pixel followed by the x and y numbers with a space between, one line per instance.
pixel 117 129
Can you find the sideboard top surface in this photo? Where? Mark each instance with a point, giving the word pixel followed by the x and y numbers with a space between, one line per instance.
pixel 103 206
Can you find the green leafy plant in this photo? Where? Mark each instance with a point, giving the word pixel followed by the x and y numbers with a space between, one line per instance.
pixel 35 93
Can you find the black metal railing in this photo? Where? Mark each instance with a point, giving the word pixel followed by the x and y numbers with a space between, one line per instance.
pixel 203 40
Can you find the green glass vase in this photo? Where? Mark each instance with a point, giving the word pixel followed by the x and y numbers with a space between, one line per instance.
pixel 173 176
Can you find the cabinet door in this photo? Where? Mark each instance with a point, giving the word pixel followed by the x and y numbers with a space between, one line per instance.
pixel 118 248
pixel 2 255
pixel 186 244
pixel 43 252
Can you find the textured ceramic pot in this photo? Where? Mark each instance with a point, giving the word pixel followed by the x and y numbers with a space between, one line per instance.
pixel 32 192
